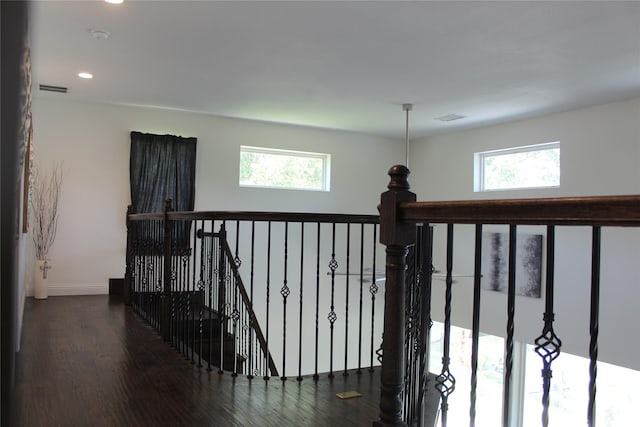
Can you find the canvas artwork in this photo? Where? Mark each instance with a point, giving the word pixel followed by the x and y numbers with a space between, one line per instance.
pixel 495 263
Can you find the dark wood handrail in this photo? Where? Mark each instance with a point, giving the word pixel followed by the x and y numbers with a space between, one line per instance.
pixel 249 304
pixel 590 211
pixel 258 216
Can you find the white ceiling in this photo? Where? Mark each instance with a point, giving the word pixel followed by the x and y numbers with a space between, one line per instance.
pixel 343 65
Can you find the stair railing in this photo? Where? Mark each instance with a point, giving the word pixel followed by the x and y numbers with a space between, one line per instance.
pixel 245 291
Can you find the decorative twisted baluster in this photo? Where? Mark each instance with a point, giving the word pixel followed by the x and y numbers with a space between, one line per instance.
pixel 594 324
pixel 446 382
pixel 548 344
pixel 373 290
pixel 477 276
pixel 285 292
pixel 332 316
pixel 511 306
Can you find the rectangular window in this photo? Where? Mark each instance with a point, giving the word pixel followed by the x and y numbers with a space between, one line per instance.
pixel 533 166
pixel 294 170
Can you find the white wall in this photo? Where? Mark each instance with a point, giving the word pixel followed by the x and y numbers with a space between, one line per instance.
pixel 600 155
pixel 93 143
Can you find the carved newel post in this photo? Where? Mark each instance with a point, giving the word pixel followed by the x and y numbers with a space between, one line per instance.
pixel 397 236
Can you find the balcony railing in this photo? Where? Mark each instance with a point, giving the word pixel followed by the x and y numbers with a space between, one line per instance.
pixel 293 294
pixel 409 298
pixel 260 294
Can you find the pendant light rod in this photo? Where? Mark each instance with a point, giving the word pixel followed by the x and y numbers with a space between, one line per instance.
pixel 406 108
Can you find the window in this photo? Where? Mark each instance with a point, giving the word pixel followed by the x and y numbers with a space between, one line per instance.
pixel 533 166
pixel 295 170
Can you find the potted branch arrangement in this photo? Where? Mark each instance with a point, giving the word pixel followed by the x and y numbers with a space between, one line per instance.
pixel 45 192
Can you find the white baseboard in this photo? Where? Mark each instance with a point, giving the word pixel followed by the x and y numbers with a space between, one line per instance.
pixel 60 289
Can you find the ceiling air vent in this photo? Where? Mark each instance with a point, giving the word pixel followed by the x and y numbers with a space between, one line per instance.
pixel 49 88
pixel 450 117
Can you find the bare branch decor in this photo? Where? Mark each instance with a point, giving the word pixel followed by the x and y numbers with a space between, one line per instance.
pixel 44 208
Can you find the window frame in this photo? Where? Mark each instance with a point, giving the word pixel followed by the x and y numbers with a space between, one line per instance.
pixel 479 166
pixel 324 157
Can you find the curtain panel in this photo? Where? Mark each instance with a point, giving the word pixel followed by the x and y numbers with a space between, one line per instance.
pixel 162 167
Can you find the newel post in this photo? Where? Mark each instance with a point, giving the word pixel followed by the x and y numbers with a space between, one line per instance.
pixel 398 237
pixel 165 316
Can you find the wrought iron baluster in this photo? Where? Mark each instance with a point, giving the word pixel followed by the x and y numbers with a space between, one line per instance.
pixel 446 382
pixel 222 295
pixel 425 283
pixel 300 302
pixel 315 374
pixel 594 323
pixel 475 329
pixel 266 355
pixel 373 290
pixel 201 292
pixel 212 282
pixel 333 265
pixel 285 292
pixel 361 275
pixel 511 306
pixel 251 372
pixel 346 304
pixel 548 344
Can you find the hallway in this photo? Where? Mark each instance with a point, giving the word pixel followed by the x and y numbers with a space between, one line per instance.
pixel 90 361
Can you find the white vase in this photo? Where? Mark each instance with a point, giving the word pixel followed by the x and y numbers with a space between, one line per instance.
pixel 41 290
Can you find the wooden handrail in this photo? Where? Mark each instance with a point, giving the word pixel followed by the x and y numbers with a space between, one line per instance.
pixel 258 216
pixel 602 211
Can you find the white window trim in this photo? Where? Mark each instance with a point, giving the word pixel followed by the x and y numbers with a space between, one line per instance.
pixel 478 175
pixel 326 166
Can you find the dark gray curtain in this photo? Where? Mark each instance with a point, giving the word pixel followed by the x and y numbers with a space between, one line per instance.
pixel 162 167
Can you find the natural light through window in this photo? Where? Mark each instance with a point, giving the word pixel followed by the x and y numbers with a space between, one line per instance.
pixel 273 168
pixel 533 166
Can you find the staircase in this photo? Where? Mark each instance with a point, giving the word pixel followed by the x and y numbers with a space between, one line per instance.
pixel 201 333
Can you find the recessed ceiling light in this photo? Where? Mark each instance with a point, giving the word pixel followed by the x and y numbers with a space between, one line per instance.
pixel 450 117
pixel 100 34
pixel 85 75
pixel 114 1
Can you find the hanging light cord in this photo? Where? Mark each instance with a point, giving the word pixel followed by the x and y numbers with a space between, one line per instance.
pixel 407 108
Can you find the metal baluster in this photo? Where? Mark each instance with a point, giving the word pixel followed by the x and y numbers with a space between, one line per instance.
pixel 211 262
pixel 315 375
pixel 511 306
pixel 333 265
pixel 201 291
pixel 359 371
pixel 285 291
pixel 300 303
pixel 548 344
pixel 235 316
pixel 594 324
pixel 222 295
pixel 194 290
pixel 446 382
pixel 373 290
pixel 266 355
pixel 425 281
pixel 475 331
pixel 346 304
pixel 251 341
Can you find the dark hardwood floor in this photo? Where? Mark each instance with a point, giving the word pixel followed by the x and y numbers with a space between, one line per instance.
pixel 90 361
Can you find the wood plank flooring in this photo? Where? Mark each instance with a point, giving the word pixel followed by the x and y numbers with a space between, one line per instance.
pixel 90 361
